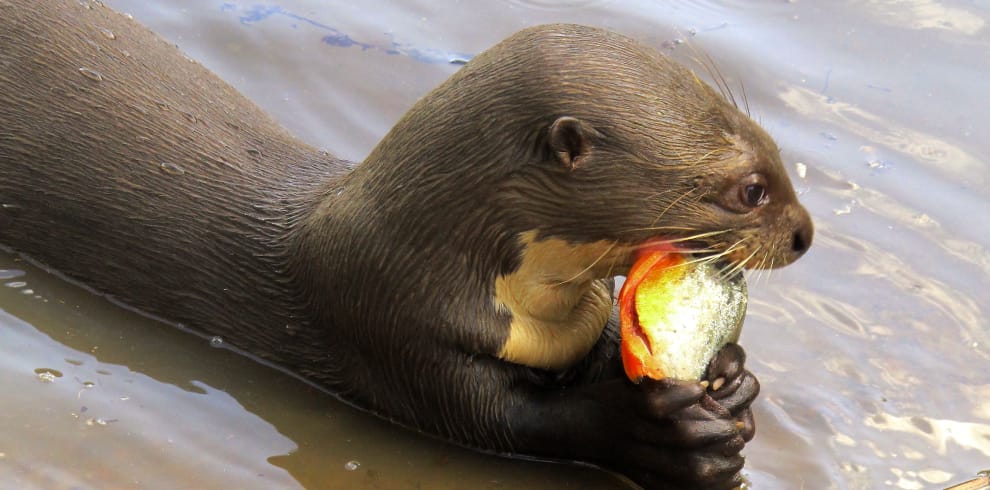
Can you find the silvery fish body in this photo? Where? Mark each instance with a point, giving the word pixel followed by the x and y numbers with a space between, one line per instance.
pixel 676 314
pixel 702 311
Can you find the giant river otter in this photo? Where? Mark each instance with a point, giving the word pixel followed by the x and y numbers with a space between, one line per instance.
pixel 459 280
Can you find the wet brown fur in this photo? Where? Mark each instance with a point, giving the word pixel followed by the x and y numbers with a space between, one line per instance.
pixel 156 183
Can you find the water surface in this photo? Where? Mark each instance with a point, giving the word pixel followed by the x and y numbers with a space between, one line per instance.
pixel 872 351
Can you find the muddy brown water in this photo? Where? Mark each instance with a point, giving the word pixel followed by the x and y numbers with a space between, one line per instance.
pixel 872 350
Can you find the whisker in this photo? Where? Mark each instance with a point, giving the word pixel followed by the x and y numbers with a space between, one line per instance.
pixel 611 267
pixel 715 257
pixel 770 269
pixel 742 263
pixel 742 87
pixel 657 194
pixel 594 263
pixel 763 271
pixel 729 269
pixel 659 228
pixel 717 77
pixel 706 155
pixel 696 236
pixel 674 202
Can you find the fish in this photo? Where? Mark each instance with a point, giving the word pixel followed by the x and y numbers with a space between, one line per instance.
pixel 675 313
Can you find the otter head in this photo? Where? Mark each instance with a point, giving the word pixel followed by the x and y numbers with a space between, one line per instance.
pixel 559 152
pixel 709 181
pixel 635 149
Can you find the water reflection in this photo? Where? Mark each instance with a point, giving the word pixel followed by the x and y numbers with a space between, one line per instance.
pixel 927 14
pixel 139 404
pixel 936 433
pixel 881 130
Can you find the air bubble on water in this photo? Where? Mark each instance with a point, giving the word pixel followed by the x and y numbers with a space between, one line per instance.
pixel 216 341
pixel 16 284
pixel 107 33
pixel 802 169
pixel 352 465
pixel 91 74
pixel 27 291
pixel 88 384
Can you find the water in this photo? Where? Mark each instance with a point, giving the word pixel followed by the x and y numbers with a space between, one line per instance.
pixel 872 351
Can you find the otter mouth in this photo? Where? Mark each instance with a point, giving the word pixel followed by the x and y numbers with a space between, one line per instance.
pixel 728 270
pixel 692 252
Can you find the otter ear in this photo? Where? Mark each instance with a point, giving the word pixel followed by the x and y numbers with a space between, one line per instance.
pixel 569 141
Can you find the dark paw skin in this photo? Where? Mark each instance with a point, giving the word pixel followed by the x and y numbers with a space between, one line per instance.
pixel 660 434
pixel 733 387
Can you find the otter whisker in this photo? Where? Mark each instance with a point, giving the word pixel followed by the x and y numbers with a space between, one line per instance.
pixel 705 234
pixel 671 205
pixel 657 194
pixel 590 266
pixel 706 155
pixel 611 267
pixel 742 263
pixel 772 258
pixel 765 266
pixel 712 69
pixel 689 238
pixel 659 228
pixel 712 258
pixel 742 87
pixel 726 271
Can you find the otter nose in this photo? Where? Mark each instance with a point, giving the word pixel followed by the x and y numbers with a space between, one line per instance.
pixel 801 240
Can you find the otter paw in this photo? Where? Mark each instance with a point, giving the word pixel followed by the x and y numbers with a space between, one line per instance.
pixel 733 387
pixel 681 445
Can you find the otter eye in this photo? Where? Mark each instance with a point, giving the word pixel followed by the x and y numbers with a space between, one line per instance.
pixel 753 190
pixel 755 193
